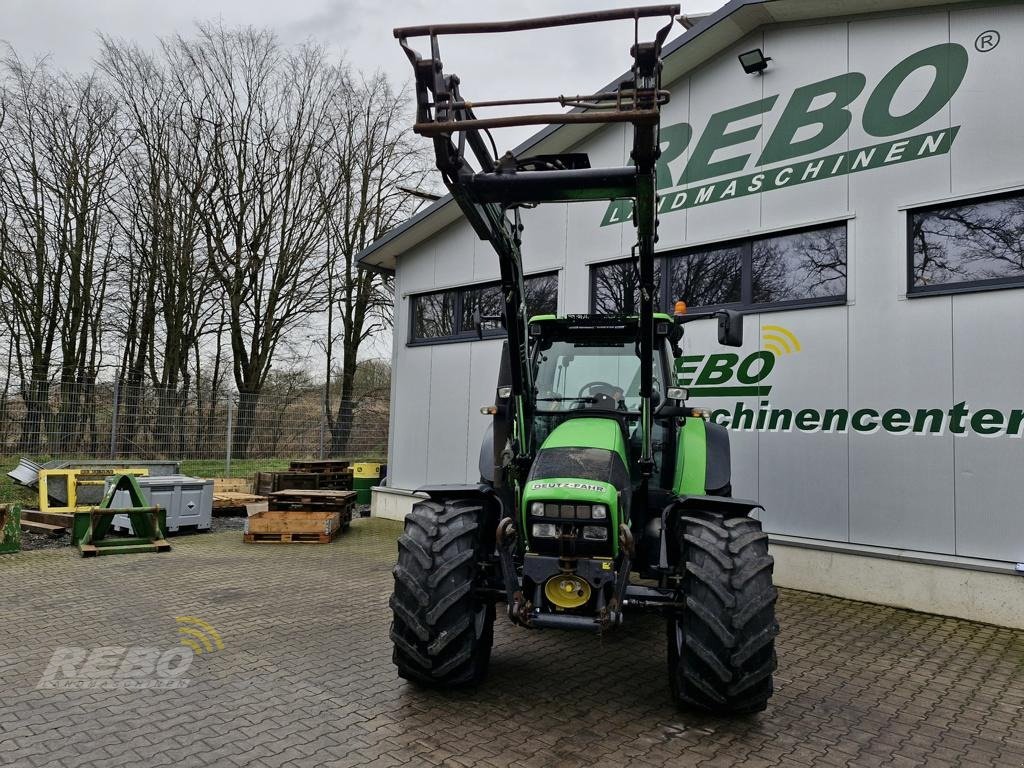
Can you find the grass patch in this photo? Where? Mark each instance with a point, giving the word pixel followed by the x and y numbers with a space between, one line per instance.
pixel 10 491
pixel 239 467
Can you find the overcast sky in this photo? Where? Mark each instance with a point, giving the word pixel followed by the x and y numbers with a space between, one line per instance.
pixel 568 60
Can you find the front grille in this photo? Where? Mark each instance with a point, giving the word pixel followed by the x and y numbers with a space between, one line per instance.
pixel 569 530
pixel 568 511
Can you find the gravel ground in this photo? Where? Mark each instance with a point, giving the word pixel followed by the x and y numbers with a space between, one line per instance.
pixel 43 541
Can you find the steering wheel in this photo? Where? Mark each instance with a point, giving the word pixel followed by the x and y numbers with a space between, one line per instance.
pixel 591 384
pixel 601 399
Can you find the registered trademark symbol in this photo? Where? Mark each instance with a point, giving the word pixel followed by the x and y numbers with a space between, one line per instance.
pixel 986 41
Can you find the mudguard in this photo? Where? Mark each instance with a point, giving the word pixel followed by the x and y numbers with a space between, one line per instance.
pixel 690 505
pixel 703 463
pixel 491 501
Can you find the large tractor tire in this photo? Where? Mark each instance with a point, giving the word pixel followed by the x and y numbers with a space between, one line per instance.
pixel 442 631
pixel 721 642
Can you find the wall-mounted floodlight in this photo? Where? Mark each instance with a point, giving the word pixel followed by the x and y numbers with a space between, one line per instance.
pixel 754 62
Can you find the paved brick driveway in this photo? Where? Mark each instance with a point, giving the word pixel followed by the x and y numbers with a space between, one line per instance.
pixel 305 676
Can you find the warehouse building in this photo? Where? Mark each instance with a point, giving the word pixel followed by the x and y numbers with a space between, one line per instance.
pixel 854 185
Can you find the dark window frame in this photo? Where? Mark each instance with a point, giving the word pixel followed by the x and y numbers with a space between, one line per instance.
pixel 962 286
pixel 746 247
pixel 461 335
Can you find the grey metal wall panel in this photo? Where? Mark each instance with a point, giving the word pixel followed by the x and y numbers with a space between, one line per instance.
pixel 417 273
pixel 988 356
pixel 589 241
pixel 453 255
pixel 901 486
pixel 412 383
pixel 708 94
pixel 990 103
pixel 801 55
pixel 803 479
pixel 544 237
pixel 447 429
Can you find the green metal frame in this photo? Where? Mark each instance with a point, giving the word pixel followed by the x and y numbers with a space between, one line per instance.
pixel 149 524
pixel 10 528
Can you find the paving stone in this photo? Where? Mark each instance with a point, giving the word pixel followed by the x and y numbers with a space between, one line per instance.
pixel 305 676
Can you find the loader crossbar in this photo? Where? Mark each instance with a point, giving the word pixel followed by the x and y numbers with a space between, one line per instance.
pixel 490 189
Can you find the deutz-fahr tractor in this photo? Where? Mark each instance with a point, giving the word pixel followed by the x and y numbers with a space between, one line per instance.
pixel 602 492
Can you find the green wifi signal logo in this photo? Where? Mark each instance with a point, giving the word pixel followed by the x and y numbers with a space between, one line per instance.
pixel 198 635
pixel 778 340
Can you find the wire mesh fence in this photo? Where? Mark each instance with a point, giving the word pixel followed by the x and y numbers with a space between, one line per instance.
pixel 218 433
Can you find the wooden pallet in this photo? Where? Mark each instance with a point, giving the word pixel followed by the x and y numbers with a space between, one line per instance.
pixel 231 500
pixel 232 485
pixel 289 538
pixel 265 483
pixel 31 526
pixel 58 519
pixel 293 527
pixel 313 500
pixel 320 465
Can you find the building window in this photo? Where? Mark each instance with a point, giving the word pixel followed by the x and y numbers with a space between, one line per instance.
pixel 613 287
pixel 800 268
pixel 966 246
pixel 433 315
pixel 449 315
pixel 707 277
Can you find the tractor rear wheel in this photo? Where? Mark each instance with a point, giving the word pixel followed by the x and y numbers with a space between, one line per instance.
pixel 721 642
pixel 441 630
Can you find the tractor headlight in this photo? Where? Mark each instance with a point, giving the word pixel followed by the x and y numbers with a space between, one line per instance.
pixel 594 532
pixel 537 509
pixel 600 512
pixel 545 530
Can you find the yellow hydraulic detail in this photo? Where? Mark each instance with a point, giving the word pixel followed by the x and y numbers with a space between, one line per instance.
pixel 567 591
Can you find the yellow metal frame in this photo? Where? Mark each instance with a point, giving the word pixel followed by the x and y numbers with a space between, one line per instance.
pixel 75 479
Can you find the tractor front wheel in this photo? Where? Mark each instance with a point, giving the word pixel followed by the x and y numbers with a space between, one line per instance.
pixel 721 641
pixel 442 631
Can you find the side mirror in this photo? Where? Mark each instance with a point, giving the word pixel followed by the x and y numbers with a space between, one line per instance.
pixel 730 328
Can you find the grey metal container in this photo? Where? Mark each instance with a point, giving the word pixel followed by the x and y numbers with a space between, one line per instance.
pixel 188 501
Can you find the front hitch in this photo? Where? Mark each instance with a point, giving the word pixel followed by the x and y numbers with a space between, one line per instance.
pixel 612 615
pixel 518 610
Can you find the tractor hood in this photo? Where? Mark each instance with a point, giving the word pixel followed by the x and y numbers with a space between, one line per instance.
pixel 583 460
pixel 605 434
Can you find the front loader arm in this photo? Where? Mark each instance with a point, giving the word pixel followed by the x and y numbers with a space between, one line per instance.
pixel 490 194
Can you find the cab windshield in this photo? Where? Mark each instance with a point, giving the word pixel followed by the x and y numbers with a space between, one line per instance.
pixel 591 375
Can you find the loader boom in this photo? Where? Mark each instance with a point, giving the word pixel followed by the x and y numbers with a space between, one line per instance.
pixel 490 190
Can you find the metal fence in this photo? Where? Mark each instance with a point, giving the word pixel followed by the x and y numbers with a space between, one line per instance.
pixel 241 432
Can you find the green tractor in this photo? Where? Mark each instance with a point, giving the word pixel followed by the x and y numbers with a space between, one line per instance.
pixel 602 492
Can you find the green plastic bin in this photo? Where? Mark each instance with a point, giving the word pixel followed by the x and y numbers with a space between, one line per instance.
pixel 365 475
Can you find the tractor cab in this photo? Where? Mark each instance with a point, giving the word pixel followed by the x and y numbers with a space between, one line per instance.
pixel 588 432
pixel 589 366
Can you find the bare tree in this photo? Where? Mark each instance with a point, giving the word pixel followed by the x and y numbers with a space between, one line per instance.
pixel 264 115
pixel 372 156
pixel 58 150
pixel 162 220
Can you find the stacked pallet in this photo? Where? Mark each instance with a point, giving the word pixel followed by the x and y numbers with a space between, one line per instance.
pixel 233 493
pixel 301 516
pixel 321 475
